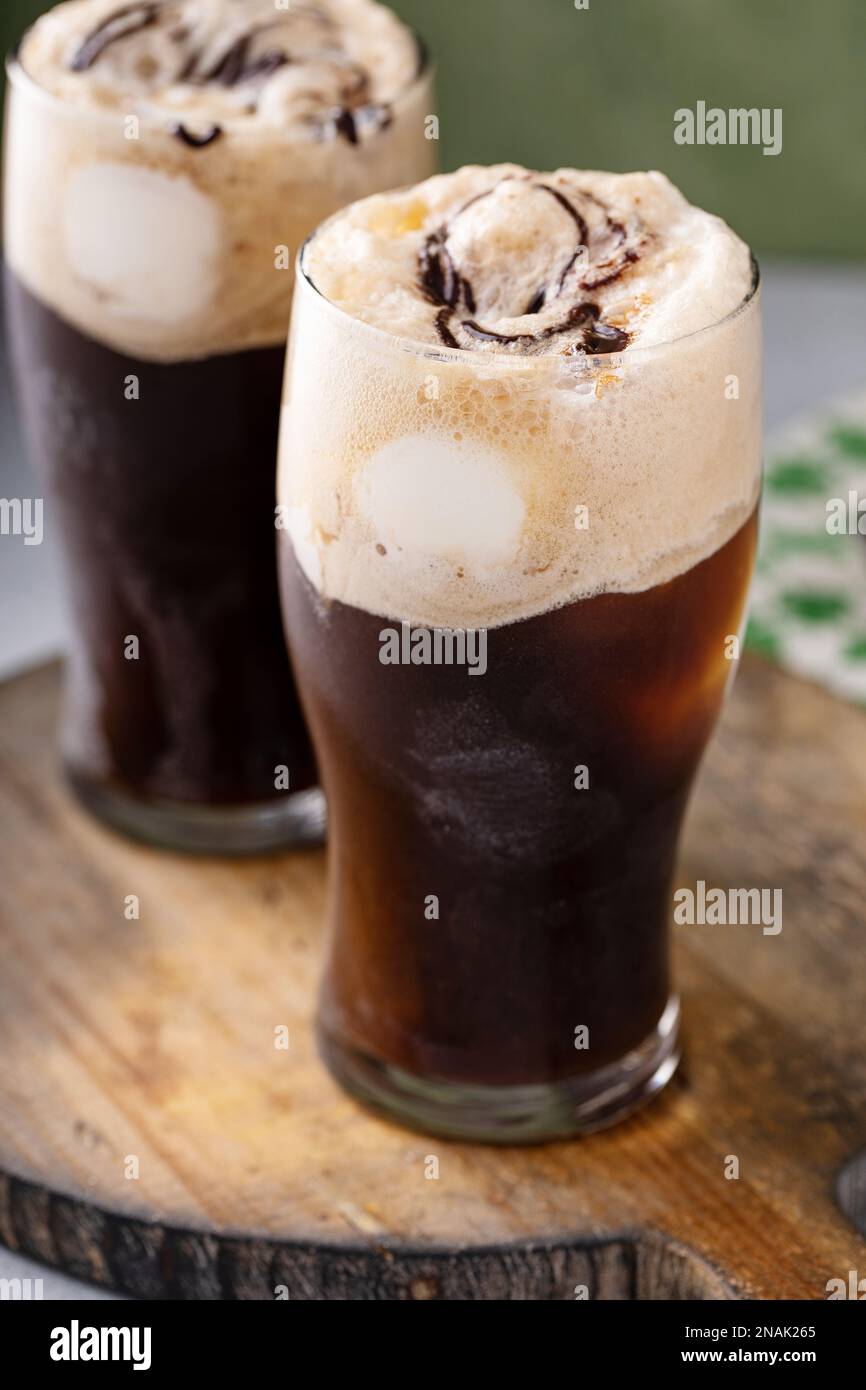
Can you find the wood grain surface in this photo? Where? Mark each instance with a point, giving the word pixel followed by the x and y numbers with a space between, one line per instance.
pixel 148 1047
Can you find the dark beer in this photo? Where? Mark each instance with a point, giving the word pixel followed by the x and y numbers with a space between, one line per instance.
pixel 552 900
pixel 163 544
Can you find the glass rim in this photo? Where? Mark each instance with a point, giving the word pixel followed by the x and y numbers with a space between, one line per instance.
pixel 441 352
pixel 18 76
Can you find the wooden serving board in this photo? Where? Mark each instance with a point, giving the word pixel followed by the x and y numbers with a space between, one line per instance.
pixel 153 1040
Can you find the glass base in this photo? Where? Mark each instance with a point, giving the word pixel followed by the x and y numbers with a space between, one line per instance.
pixel 511 1114
pixel 295 820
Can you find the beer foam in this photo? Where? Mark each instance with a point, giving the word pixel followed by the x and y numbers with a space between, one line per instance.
pixel 239 125
pixel 471 477
pixel 485 245
pixel 261 62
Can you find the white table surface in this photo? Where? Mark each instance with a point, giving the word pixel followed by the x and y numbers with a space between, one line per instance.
pixel 815 349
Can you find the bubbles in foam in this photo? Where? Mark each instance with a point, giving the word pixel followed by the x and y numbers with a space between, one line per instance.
pixel 299 525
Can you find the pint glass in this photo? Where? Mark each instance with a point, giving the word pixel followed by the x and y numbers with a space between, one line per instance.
pixel 507 772
pixel 150 238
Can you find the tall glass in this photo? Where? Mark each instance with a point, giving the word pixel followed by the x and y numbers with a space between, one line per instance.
pixel 503 827
pixel 148 281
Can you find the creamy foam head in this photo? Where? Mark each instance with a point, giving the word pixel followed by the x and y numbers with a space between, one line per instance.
pixel 509 390
pixel 501 259
pixel 166 160
pixel 301 66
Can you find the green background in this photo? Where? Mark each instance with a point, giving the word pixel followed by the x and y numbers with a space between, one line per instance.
pixel 542 83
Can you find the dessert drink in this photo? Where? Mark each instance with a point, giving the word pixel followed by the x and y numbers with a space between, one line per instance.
pixel 164 162
pixel 524 407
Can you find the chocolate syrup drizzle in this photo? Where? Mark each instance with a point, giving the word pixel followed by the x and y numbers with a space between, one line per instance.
pixel 451 292
pixel 235 67
pixel 131 19
pixel 196 142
